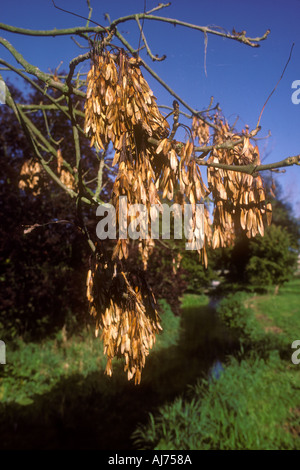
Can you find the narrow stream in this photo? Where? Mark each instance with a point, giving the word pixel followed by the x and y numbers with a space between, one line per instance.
pixel 99 412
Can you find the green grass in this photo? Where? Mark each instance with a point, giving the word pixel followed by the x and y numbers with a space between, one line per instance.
pixel 248 407
pixel 35 368
pixel 280 312
pixel 255 404
pixel 55 394
pixel 194 300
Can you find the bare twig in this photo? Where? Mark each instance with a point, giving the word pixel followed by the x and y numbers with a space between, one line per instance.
pixel 142 35
pixel 159 7
pixel 253 42
pixel 30 228
pixel 80 16
pixel 163 83
pixel 205 52
pixel 275 85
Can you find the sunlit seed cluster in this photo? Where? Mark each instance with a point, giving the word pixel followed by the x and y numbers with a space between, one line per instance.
pixel 125 311
pixel 120 109
pixel 239 197
pixel 30 176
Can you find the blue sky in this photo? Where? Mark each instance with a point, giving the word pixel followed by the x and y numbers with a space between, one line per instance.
pixel 239 77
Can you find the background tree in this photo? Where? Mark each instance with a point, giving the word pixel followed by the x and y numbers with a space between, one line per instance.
pixel 43 265
pixel 272 259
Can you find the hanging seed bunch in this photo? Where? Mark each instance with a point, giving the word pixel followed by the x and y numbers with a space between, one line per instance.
pixel 120 108
pixel 200 131
pixel 180 172
pixel 125 310
pixel 30 176
pixel 120 105
pixel 146 248
pixel 239 198
pixel 67 179
pixel 64 175
pixel 207 236
pixel 135 180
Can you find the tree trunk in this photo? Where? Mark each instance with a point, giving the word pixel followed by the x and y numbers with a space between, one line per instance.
pixel 276 289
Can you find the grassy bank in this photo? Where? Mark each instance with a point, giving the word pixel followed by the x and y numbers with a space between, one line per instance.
pixel 255 403
pixel 280 314
pixel 55 395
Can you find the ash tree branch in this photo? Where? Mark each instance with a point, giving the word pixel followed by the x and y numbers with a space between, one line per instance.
pixel 48 107
pixel 68 91
pixel 112 30
pixel 252 168
pixel 239 37
pixel 48 129
pixel 36 139
pixel 78 30
pixel 35 71
pixel 74 62
pixel 162 82
pixel 100 176
pixel 153 57
pixel 35 85
pixel 159 7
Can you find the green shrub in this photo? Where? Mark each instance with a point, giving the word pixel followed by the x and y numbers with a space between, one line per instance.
pixel 236 316
pixel 272 258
